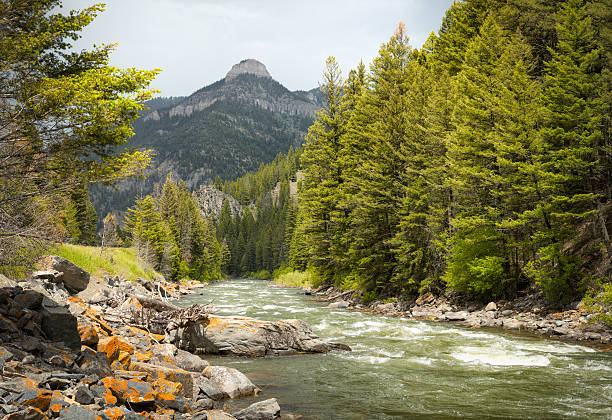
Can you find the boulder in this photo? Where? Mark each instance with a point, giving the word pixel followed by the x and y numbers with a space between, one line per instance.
pixel 170 355
pixel 230 381
pixel 94 363
pixel 263 410
pixel 83 395
pixel 456 316
pixel 59 324
pixel 217 415
pixel 491 306
pixel 161 372
pixel 75 279
pixel 339 305
pixel 89 335
pixel 29 413
pixel 75 412
pixel 243 336
pixel 385 308
pixel 6 282
pixel 210 389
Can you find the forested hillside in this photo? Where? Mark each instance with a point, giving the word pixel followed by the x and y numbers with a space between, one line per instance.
pixel 480 163
pixel 259 238
pixel 222 130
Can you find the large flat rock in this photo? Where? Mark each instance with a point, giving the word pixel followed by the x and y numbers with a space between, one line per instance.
pixel 243 336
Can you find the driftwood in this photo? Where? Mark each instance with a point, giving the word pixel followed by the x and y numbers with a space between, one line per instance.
pixel 341 295
pixel 156 304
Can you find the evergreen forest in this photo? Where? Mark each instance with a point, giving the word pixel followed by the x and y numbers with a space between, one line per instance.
pixel 480 163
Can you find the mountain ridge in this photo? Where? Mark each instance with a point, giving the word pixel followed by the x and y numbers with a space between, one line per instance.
pixel 224 129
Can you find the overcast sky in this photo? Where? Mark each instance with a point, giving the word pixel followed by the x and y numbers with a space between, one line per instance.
pixel 195 42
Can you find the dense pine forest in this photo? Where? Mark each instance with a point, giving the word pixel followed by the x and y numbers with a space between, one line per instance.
pixel 480 163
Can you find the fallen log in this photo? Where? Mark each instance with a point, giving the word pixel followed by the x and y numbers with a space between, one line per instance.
pixel 156 304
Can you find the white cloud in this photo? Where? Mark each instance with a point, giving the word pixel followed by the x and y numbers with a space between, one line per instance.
pixel 196 42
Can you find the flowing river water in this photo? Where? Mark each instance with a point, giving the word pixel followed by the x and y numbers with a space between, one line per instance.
pixel 409 369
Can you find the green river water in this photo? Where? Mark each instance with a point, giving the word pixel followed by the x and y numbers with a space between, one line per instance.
pixel 409 369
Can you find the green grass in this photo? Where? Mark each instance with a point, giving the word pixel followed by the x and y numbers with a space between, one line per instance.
pixel 115 261
pixel 295 279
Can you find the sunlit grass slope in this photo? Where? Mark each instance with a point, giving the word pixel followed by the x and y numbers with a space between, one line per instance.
pixel 114 261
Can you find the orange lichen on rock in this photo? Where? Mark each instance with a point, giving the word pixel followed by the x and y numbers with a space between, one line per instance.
pixel 114 413
pixel 143 357
pixel 164 386
pixel 110 346
pixel 56 408
pixel 170 374
pixel 115 389
pixel 125 359
pixel 113 346
pixel 40 399
pixel 89 335
pixel 138 391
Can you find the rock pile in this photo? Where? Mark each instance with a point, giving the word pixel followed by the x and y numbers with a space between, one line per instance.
pixel 112 356
pixel 529 313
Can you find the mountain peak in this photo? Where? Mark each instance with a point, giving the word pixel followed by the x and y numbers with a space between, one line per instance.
pixel 250 66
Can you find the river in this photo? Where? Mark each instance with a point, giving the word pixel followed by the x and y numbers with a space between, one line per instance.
pixel 409 369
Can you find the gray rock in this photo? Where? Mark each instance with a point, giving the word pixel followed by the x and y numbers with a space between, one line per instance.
pixel 513 324
pixel 456 316
pixel 169 354
pixel 28 360
pixel 248 66
pixel 203 403
pixel 339 305
pixel 189 361
pixel 59 324
pixel 211 389
pixel 243 336
pixel 57 360
pixel 231 381
pixel 130 415
pixel 29 299
pixel 263 410
pixel 51 275
pixel 75 279
pixel 213 415
pixel 28 413
pixel 386 307
pixel 94 363
pixel 507 312
pixel 83 395
pixel 491 307
pixel 6 282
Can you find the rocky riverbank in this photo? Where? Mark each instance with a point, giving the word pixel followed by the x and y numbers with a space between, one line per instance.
pixel 72 348
pixel 530 313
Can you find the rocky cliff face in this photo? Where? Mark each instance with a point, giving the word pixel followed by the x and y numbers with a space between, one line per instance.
pixel 248 66
pixel 250 82
pixel 211 201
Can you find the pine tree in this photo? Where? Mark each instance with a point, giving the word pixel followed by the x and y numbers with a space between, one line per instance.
pixel 323 173
pixel 479 250
pixel 576 159
pixel 379 126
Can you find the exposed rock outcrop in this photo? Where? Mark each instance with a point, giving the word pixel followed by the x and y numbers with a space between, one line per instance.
pixel 73 277
pixel 250 66
pixel 250 337
pixel 210 201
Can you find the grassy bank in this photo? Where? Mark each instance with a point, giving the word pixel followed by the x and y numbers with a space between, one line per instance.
pixel 295 279
pixel 115 261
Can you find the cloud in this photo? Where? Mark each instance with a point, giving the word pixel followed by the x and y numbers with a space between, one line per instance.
pixel 196 42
